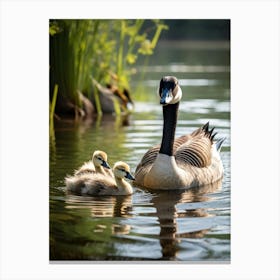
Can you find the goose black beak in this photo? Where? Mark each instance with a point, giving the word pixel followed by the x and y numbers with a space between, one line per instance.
pixel 129 176
pixel 166 96
pixel 105 164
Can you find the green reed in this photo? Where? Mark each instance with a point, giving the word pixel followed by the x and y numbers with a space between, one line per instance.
pixel 103 49
pixel 51 117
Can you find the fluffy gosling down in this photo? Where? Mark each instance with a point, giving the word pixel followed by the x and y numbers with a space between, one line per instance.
pixel 95 184
pixel 96 165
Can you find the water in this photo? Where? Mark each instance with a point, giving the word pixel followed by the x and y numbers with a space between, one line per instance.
pixel 192 225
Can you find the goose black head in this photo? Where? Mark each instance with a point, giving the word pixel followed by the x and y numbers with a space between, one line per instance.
pixel 169 90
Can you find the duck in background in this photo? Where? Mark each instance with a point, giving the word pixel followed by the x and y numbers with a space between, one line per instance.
pixel 111 91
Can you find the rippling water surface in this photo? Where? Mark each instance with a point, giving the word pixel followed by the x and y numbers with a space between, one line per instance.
pixel 192 225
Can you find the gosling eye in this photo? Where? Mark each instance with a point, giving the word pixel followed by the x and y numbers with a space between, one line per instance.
pixel 123 170
pixel 100 158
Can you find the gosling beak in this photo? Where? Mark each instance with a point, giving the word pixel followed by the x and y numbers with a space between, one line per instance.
pixel 166 96
pixel 105 164
pixel 129 176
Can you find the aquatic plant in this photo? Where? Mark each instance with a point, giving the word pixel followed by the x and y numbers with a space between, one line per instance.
pixel 101 49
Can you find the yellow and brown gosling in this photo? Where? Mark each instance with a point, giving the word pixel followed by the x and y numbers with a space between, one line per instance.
pixel 96 165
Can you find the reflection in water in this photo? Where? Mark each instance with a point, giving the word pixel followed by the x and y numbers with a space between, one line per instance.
pixel 107 206
pixel 113 221
pixel 165 203
pixel 101 207
pixel 104 122
pixel 84 231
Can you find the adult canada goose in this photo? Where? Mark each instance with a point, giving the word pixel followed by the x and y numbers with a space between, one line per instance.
pixel 97 164
pixel 100 184
pixel 188 161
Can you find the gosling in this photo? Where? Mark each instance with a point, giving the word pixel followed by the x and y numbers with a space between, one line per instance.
pixel 97 184
pixel 96 165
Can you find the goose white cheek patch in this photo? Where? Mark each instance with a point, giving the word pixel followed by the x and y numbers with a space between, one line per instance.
pixel 178 96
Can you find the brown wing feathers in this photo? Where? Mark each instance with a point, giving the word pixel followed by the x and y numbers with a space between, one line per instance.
pixel 148 158
pixel 197 151
pixel 194 149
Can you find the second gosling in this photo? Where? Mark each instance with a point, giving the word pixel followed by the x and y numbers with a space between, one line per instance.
pixel 96 165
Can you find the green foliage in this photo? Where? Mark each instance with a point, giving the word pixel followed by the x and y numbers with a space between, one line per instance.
pixel 54 28
pixel 62 62
pixel 103 49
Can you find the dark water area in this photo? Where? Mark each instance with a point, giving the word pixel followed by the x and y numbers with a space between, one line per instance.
pixel 191 225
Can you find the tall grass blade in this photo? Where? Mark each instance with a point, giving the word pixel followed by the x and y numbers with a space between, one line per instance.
pixel 53 103
pixel 96 98
pixel 117 107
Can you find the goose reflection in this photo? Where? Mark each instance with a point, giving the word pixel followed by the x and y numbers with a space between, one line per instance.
pixel 166 203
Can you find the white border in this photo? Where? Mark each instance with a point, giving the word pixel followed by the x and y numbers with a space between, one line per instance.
pixel 24 137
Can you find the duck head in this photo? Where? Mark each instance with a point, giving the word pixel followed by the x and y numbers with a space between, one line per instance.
pixel 169 90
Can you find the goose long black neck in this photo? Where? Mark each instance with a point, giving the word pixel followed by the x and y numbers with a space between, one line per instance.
pixel 170 113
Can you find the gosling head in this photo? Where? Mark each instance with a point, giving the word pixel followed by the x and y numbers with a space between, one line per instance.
pixel 169 90
pixel 122 170
pixel 99 158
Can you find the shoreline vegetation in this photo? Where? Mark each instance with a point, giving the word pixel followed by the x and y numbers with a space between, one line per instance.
pixel 91 64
